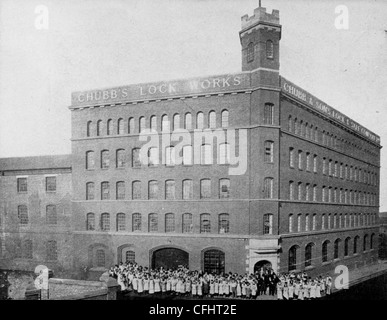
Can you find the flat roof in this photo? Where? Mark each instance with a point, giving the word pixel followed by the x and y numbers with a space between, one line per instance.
pixel 35 162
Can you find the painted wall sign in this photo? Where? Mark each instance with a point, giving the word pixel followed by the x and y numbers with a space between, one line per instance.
pixel 303 96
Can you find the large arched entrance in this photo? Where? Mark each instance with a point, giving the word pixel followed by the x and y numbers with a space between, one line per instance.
pixel 262 264
pixel 169 258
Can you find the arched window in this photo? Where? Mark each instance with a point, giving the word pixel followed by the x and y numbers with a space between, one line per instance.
pixel 290 124
pixel 372 241
pixel 346 246
pixel 170 190
pixel 153 156
pixel 130 257
pixel 99 128
pixel 188 121
pixel 205 188
pixel 27 249
pixel 187 223
pixel 131 125
pixel 165 123
pixel 308 254
pixel 268 223
pixel 176 121
pixel 121 222
pixel 291 190
pixel 120 126
pixel 170 222
pixel 224 223
pixel 224 188
pixel 105 222
pixel 153 123
pixel 269 152
pixel 90 191
pixel 187 189
pixel 206 154
pixel 120 190
pixel 323 221
pixel 250 52
pixel 365 239
pixel 199 120
pixel 136 190
pixel 187 155
pixel 314 222
pixel 153 223
pixel 153 190
pixel 268 186
pixel 269 49
pixel 100 258
pixel 225 119
pixel 22 214
pixel 90 221
pixel 105 159
pixel 51 217
pixel 299 222
pixel 109 129
pixel 136 163
pixel 205 223
pixel 290 223
pixel 336 253
pixel 170 156
pixel 325 246
pixel 214 262
pixel 291 157
pixel 136 222
pixel 293 258
pixel 120 158
pixel 89 160
pixel 89 128
pixel 105 190
pixel 268 113
pixel 224 153
pixel 212 120
pixel 355 244
pixel 141 124
pixel 307 222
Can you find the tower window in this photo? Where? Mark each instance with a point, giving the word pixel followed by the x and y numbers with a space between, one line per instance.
pixel 250 52
pixel 269 49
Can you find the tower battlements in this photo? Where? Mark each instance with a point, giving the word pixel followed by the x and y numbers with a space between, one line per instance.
pixel 260 15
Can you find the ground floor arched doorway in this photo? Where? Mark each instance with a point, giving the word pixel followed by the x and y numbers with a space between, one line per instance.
pixel 262 264
pixel 169 258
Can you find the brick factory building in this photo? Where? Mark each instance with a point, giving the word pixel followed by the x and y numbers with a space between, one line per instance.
pixel 297 189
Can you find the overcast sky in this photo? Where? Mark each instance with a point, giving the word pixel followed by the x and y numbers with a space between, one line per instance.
pixel 96 44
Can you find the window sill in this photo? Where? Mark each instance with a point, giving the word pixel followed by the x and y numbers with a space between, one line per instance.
pixel 310 268
pixel 327 262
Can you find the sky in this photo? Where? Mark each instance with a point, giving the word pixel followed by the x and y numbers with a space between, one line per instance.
pixel 90 44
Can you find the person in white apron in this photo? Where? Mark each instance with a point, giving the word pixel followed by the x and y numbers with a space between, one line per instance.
pixel 140 285
pixel 318 290
pixel 188 285
pixel 212 288
pixel 200 288
pixel 279 290
pixel 194 288
pixel 239 289
pixel 226 288
pixel 291 290
pixel 312 294
pixel 157 282
pixel 146 285
pixel 301 292
pixel 151 285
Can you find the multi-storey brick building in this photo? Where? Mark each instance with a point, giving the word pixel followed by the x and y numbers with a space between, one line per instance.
pixel 300 192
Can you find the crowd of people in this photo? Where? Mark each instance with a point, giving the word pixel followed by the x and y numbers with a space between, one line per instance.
pixel 198 284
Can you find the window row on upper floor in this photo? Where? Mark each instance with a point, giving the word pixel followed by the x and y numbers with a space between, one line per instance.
pixel 153 192
pixel 306 192
pixel 137 125
pixel 50 184
pixel 171 222
pixel 310 163
pixel 51 214
pixel 312 258
pixel 312 132
pixel 169 157
pixel 327 221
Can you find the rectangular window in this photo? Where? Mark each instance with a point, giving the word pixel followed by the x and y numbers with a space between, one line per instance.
pixel 105 193
pixel 105 159
pixel 170 190
pixel 268 224
pixel 52 251
pixel 269 152
pixel 268 114
pixel 187 223
pixel 136 163
pixel 50 184
pixel 22 185
pixel 120 190
pixel 153 190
